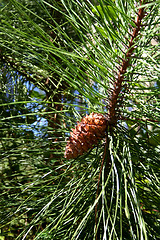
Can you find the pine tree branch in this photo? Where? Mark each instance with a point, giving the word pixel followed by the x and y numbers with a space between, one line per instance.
pixel 113 108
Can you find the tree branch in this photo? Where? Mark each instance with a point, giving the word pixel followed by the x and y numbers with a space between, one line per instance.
pixel 113 109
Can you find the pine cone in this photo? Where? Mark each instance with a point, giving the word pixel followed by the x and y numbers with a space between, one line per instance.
pixel 85 135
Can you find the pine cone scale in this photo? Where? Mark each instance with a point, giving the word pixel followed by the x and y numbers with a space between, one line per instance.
pixel 85 135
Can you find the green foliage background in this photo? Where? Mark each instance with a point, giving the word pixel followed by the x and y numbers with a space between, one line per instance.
pixel 59 61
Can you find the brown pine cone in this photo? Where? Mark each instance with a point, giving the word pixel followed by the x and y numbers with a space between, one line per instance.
pixel 85 135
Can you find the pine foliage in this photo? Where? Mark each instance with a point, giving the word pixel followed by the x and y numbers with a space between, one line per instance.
pixel 87 57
